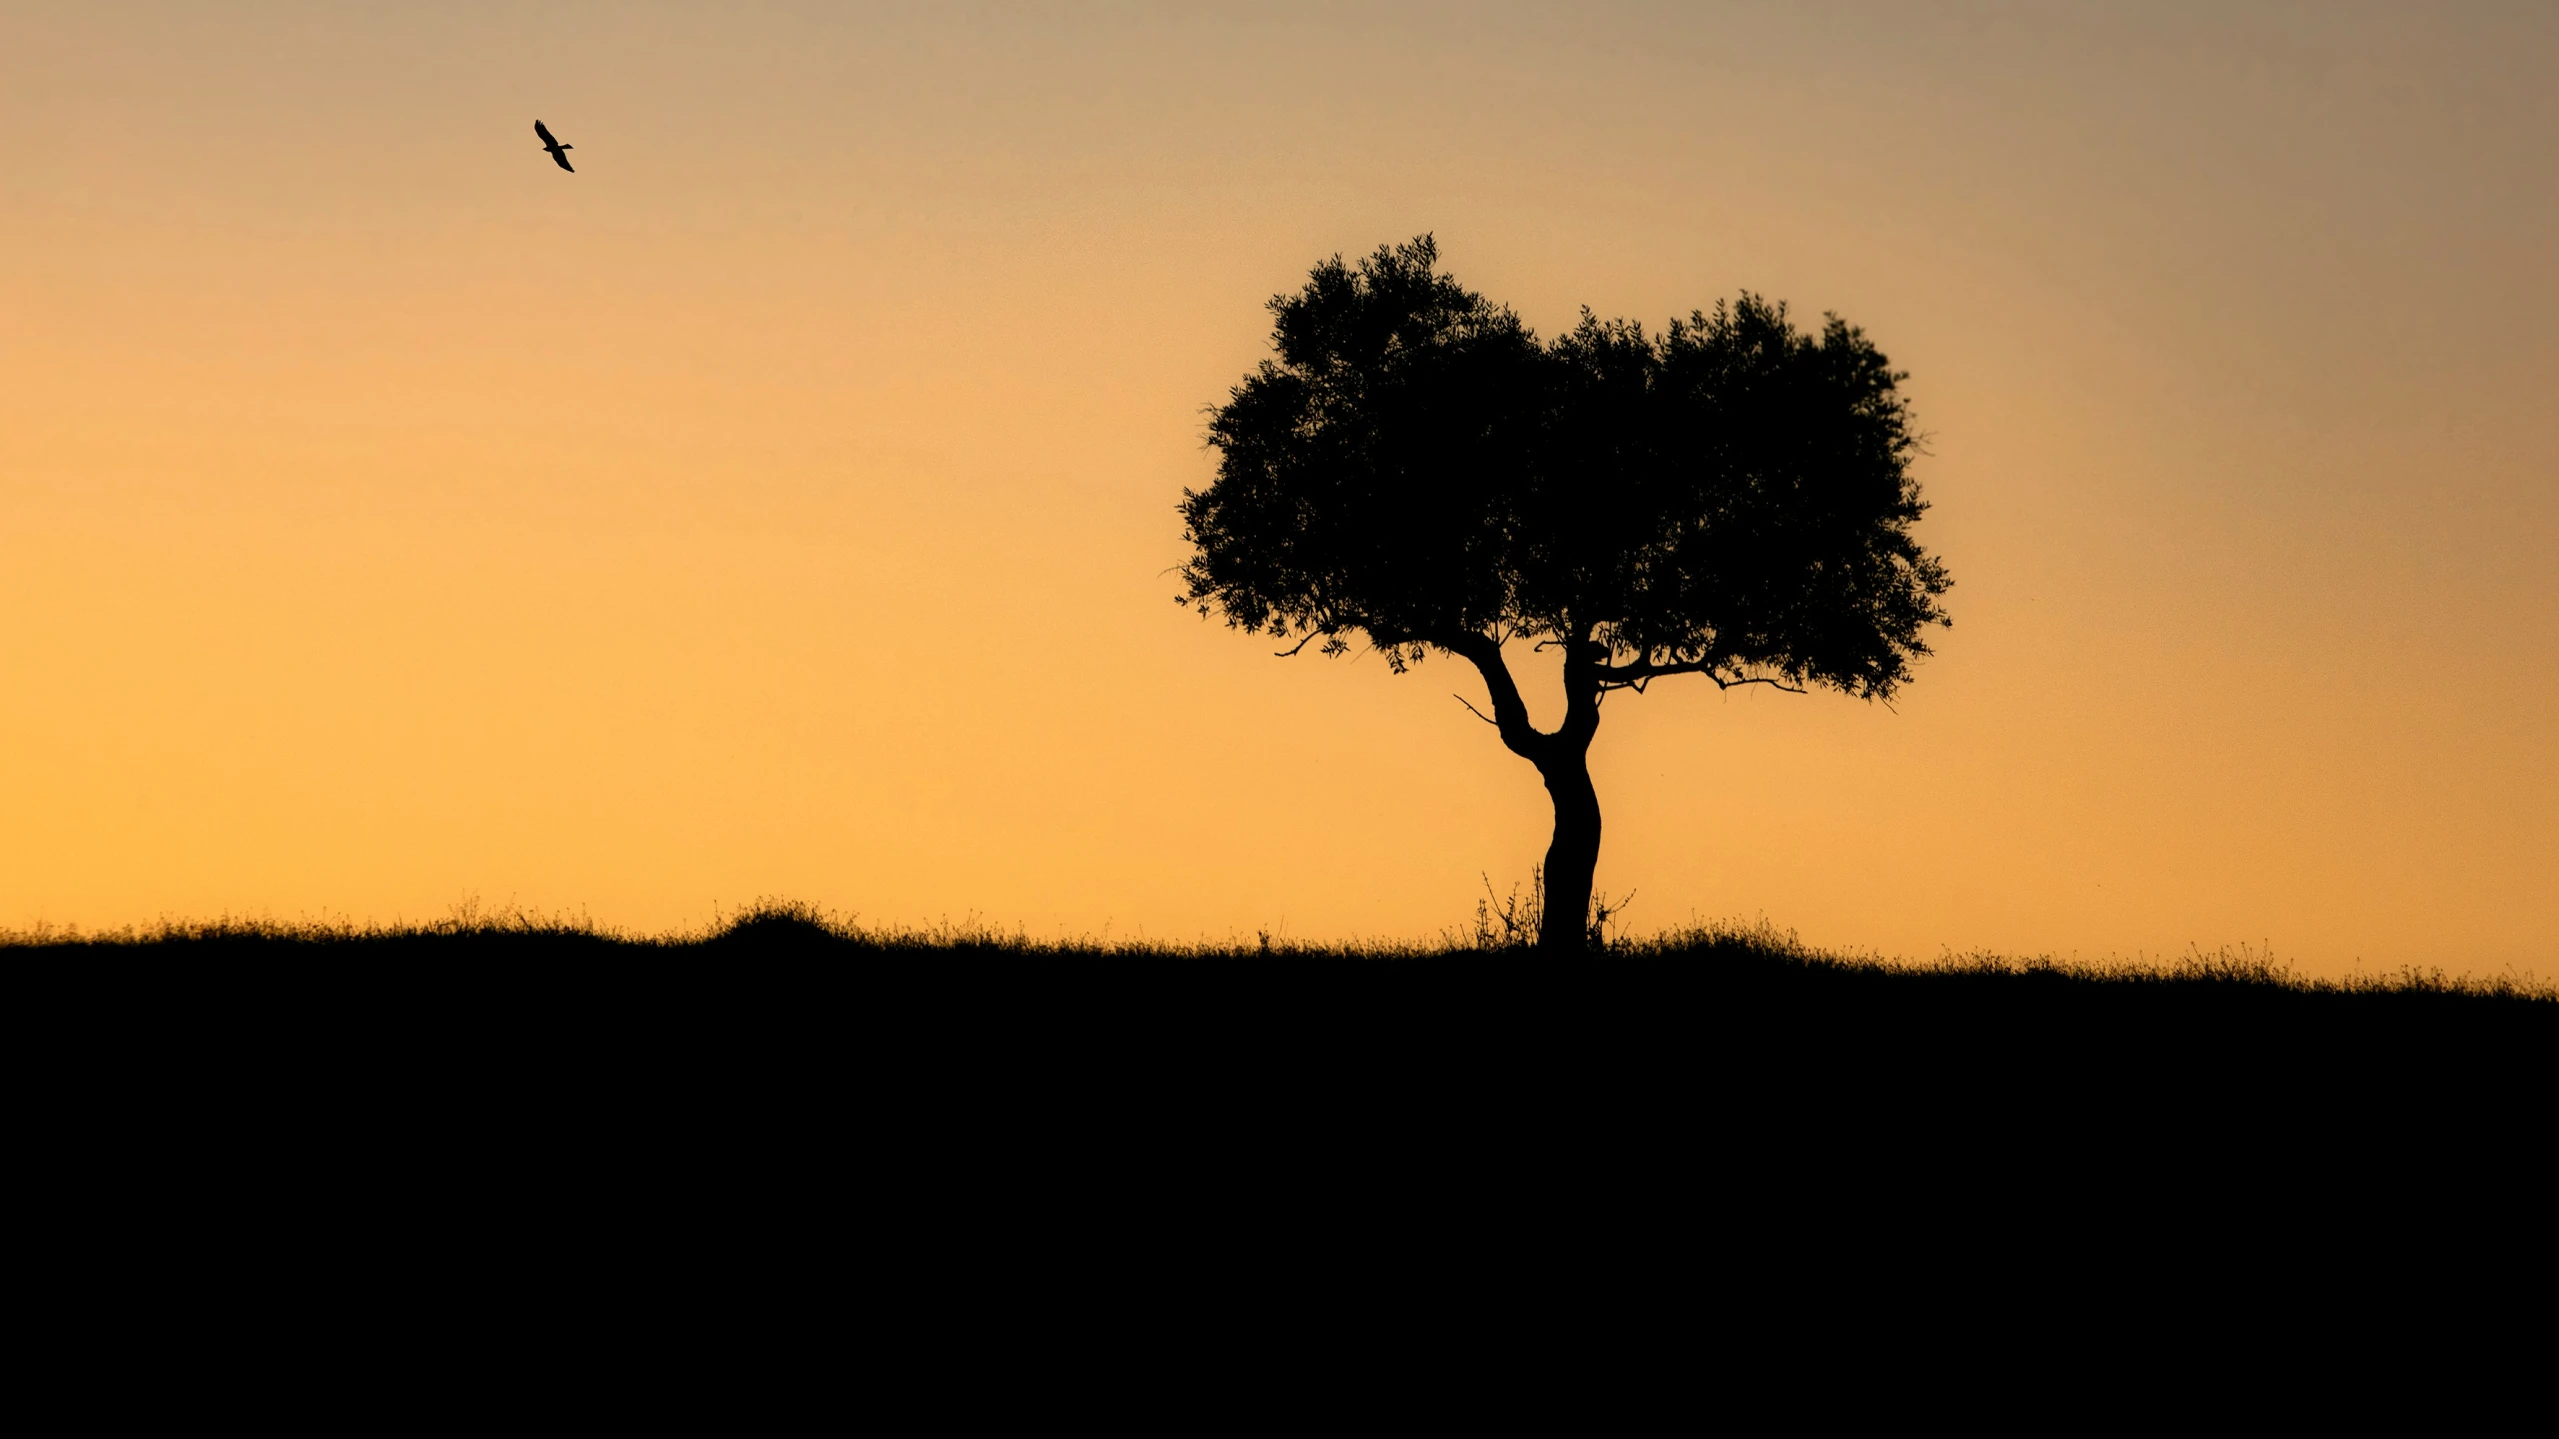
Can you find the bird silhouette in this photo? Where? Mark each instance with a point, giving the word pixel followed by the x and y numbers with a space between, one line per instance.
pixel 558 150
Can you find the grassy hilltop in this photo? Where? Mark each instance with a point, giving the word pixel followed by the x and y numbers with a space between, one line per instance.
pixel 1726 955
pixel 1701 979
pixel 800 1036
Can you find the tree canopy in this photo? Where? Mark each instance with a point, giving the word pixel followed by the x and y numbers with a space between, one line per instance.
pixel 1729 497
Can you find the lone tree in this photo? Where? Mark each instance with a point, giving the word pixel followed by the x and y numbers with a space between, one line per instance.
pixel 1731 499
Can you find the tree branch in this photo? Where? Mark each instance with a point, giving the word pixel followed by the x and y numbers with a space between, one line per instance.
pixel 1643 672
pixel 1311 637
pixel 1722 683
pixel 1470 709
pixel 1510 712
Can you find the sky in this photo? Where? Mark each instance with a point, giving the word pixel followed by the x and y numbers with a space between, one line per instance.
pixel 783 504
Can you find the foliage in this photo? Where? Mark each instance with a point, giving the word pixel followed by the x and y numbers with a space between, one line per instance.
pixel 1414 468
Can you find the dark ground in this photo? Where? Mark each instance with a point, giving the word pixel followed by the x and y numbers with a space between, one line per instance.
pixel 1718 1009
pixel 526 1119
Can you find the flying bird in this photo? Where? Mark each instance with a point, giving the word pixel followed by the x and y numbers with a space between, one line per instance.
pixel 558 150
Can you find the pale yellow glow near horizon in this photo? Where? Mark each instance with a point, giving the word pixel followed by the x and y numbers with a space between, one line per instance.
pixel 782 505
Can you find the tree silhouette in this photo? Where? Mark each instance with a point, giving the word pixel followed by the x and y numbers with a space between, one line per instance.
pixel 1729 499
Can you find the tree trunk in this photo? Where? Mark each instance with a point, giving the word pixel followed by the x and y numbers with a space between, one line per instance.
pixel 1572 861
pixel 1563 759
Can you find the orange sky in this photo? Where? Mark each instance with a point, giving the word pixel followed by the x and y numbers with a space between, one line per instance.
pixel 782 504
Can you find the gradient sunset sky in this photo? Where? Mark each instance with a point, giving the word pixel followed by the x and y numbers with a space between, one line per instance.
pixel 783 504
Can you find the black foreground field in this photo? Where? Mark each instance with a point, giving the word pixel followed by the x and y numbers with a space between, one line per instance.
pixel 786 976
pixel 820 1072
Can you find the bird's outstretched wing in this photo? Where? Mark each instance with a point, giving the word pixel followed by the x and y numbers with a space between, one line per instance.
pixel 559 152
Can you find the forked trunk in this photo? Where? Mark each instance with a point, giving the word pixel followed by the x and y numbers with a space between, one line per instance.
pixel 1572 860
pixel 1563 759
